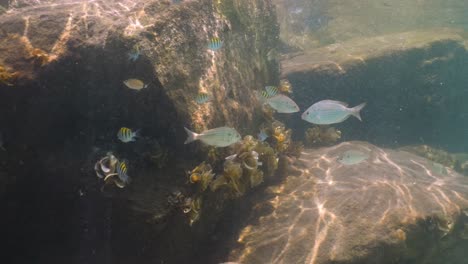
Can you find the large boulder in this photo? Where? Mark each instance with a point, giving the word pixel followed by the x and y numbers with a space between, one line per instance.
pixel 62 99
pixel 394 207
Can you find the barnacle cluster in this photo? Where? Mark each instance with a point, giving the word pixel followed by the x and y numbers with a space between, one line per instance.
pixel 201 175
pixel 280 136
pixel 7 77
pixel 285 86
pixel 238 169
pixel 189 206
pixel 246 168
pixel 106 169
pixel 320 135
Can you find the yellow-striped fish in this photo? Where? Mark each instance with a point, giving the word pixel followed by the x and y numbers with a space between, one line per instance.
pixel 215 44
pixel 271 91
pixel 127 135
pixel 122 172
pixel 135 84
pixel 202 98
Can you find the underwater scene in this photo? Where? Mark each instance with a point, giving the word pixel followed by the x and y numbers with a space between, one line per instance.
pixel 234 131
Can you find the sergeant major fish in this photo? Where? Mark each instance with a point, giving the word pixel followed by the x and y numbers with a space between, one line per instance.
pixel 122 172
pixel 215 44
pixel 127 135
pixel 271 91
pixel 218 137
pixel 282 104
pixel 331 112
pixel 202 98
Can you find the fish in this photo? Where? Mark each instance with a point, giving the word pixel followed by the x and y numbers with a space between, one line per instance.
pixel 351 157
pixel 439 168
pixel 202 98
pixel 331 112
pixel 134 54
pixel 262 135
pixel 282 104
pixel 215 44
pixel 218 137
pixel 135 84
pixel 127 135
pixel 271 91
pixel 122 172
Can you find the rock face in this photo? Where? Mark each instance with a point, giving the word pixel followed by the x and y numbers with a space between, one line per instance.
pixel 412 82
pixel 394 207
pixel 62 67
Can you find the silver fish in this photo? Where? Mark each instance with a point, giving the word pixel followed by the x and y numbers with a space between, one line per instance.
pixel 282 104
pixel 218 137
pixel 439 168
pixel 351 157
pixel 331 112
pixel 262 135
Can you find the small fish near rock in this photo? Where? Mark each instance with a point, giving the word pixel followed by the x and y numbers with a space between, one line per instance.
pixel 282 104
pixel 215 44
pixel 135 84
pixel 202 98
pixel 127 135
pixel 351 157
pixel 328 112
pixel 217 137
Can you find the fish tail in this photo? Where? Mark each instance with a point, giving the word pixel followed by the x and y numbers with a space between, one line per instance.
pixel 191 136
pixel 356 111
pixel 137 133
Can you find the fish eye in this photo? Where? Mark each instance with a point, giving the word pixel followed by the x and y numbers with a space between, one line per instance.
pixel 307 113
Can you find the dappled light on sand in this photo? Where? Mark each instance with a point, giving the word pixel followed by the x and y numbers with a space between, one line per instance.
pixel 327 212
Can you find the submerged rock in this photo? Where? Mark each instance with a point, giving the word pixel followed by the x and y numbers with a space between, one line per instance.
pixel 391 208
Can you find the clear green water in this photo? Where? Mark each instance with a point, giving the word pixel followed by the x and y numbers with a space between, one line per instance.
pixel 407 59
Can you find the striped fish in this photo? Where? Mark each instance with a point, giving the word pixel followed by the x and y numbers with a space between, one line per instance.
pixel 122 172
pixel 202 98
pixel 215 44
pixel 127 135
pixel 271 91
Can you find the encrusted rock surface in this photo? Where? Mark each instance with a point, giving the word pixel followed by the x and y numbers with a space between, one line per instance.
pixel 62 67
pixel 394 207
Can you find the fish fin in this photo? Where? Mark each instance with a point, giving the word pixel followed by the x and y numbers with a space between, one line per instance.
pixel 145 86
pixel 356 111
pixel 137 133
pixel 336 102
pixel 191 136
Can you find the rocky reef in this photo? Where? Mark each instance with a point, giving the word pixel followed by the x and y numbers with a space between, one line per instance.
pixel 377 211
